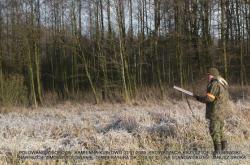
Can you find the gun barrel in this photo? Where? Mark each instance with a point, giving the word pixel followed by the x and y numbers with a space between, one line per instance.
pixel 184 91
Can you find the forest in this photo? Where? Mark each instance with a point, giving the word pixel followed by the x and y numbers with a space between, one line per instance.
pixel 68 47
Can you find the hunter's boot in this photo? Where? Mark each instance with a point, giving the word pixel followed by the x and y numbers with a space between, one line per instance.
pixel 224 145
pixel 217 148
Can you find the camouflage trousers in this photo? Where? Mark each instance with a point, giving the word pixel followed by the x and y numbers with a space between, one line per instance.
pixel 216 129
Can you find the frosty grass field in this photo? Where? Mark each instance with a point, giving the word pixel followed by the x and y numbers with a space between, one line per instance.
pixel 169 125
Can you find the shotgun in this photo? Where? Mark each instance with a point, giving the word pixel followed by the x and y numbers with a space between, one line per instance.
pixel 183 91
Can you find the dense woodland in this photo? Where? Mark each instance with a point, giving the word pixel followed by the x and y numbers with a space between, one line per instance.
pixel 72 46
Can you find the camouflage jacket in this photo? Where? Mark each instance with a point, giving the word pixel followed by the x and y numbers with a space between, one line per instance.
pixel 216 99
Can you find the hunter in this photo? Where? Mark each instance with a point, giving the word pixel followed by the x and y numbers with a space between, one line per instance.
pixel 217 101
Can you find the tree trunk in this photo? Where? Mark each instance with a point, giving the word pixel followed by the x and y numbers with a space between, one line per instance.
pixel 223 40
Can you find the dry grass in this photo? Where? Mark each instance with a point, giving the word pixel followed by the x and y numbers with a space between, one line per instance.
pixel 140 126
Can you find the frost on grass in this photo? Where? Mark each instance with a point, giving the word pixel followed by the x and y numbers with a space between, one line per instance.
pixel 166 128
pixel 123 122
pixel 170 125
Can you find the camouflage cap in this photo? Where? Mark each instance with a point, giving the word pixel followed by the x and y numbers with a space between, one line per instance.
pixel 214 72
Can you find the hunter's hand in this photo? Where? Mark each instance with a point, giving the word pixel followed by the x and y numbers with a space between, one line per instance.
pixel 195 96
pixel 198 98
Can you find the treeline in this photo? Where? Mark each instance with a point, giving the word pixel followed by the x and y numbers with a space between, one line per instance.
pixel 70 46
